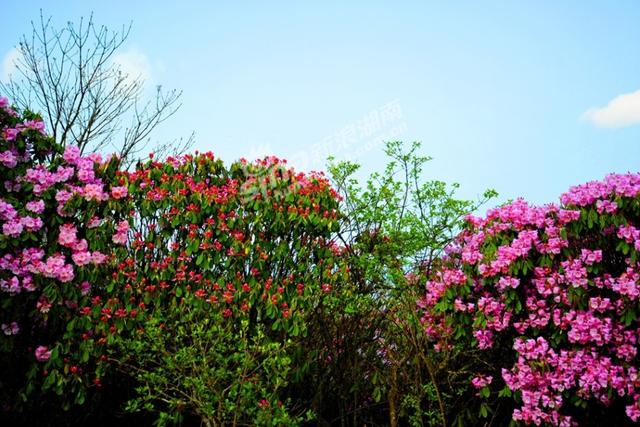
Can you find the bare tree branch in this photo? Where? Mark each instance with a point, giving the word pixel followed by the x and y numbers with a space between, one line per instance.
pixel 84 97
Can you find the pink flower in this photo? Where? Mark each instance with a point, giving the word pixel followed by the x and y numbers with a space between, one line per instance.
pixel 120 236
pixel 633 412
pixel 591 257
pixel 62 197
pixel 81 258
pixel 12 286
pixel 71 154
pixel 10 329
pixel 31 224
pixel 43 305
pixel 80 245
pixel 95 157
pixel 37 125
pixel 8 159
pixel 63 174
pixel 94 192
pixel 7 211
pixel 85 170
pixel 10 134
pixel 12 186
pixel 85 288
pixel 507 282
pixel 12 229
pixel 42 353
pixel 67 236
pixel 94 222
pixel 481 381
pixel 606 206
pixel 27 284
pixel 35 206
pixel 65 274
pixel 98 258
pixel 484 337
pixel 52 266
pixel 119 192
pixel 629 233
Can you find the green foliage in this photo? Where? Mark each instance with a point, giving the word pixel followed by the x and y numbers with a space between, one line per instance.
pixel 372 344
pixel 194 360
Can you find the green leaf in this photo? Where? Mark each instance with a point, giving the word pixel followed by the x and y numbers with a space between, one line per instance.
pixel 483 410
pixel 485 392
pixel 505 392
pixel 377 394
pixel 80 397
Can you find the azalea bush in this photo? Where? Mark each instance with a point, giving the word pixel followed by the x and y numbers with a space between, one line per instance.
pixel 61 218
pixel 224 267
pixel 549 297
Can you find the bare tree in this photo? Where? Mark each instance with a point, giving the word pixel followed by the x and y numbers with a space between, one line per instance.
pixel 85 98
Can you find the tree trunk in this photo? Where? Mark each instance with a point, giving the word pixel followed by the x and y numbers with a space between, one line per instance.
pixel 393 396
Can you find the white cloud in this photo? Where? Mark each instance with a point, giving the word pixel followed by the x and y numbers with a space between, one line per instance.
pixel 9 64
pixel 133 63
pixel 623 110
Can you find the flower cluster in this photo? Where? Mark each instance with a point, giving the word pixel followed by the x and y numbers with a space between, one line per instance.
pixel 56 228
pixel 558 283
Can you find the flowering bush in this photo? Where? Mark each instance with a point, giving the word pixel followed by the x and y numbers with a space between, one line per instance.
pixel 243 251
pixel 550 296
pixel 57 216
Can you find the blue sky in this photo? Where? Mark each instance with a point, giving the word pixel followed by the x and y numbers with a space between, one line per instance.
pixel 527 98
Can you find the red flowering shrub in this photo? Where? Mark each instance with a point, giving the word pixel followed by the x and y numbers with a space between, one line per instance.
pixel 551 296
pixel 244 251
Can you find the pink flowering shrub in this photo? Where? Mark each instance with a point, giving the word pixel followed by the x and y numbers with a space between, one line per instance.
pixel 551 296
pixel 58 226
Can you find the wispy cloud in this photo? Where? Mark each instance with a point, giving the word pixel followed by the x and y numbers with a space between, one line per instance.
pixel 623 110
pixel 9 64
pixel 133 63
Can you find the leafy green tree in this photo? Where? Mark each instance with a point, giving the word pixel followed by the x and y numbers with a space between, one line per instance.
pixel 392 231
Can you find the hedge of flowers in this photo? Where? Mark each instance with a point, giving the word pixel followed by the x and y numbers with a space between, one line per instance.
pixel 200 282
pixel 553 292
